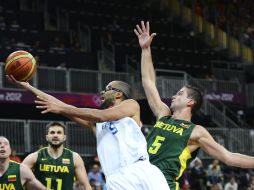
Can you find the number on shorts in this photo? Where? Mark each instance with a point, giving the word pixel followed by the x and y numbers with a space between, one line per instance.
pixel 156 144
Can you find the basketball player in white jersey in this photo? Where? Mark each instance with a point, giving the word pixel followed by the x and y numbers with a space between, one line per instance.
pixel 121 146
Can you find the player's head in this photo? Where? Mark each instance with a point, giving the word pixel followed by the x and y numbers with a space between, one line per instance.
pixel 95 168
pixel 55 134
pixel 215 162
pixel 115 90
pixel 5 148
pixel 188 96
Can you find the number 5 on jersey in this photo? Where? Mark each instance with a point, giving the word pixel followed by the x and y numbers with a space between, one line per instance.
pixel 156 145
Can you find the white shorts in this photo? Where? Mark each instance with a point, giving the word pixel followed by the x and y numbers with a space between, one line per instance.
pixel 141 175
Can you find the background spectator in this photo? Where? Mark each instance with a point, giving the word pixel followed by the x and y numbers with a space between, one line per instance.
pixel 96 176
pixel 197 175
pixel 215 176
pixel 231 184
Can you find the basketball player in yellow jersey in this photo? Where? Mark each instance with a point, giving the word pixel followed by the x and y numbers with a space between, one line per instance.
pixel 56 166
pixel 174 140
pixel 15 176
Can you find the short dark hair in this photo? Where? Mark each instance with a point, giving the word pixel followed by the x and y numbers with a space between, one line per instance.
pixel 124 87
pixel 195 94
pixel 55 123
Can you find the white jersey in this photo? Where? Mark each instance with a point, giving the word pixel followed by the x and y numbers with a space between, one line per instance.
pixel 119 144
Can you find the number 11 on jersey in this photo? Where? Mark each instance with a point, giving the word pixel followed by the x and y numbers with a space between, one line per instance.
pixel 58 181
pixel 156 144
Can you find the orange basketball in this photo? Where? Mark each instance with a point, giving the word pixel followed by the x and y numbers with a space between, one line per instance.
pixel 21 65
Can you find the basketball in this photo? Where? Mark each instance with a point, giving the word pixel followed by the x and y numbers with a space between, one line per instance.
pixel 21 65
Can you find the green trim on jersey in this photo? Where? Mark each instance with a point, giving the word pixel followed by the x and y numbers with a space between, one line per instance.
pixel 167 145
pixel 56 174
pixel 11 179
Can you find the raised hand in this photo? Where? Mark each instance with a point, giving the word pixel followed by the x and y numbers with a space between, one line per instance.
pixel 47 105
pixel 143 34
pixel 17 83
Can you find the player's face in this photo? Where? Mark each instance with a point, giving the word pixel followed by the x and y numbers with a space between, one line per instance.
pixel 56 136
pixel 108 96
pixel 5 149
pixel 95 168
pixel 180 100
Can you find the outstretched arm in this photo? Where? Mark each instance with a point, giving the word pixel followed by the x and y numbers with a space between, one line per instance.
pixel 206 142
pixel 28 179
pixel 80 171
pixel 147 71
pixel 127 108
pixel 37 92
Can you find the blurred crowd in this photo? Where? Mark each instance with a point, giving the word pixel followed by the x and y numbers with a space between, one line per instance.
pixel 56 44
pixel 233 16
pixel 216 177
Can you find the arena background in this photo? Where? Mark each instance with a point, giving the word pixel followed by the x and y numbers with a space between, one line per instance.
pixel 81 45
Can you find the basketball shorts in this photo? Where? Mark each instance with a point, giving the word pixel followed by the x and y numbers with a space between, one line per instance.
pixel 141 175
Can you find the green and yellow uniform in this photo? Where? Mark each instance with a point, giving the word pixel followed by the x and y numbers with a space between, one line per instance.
pixel 168 148
pixel 11 179
pixel 55 174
